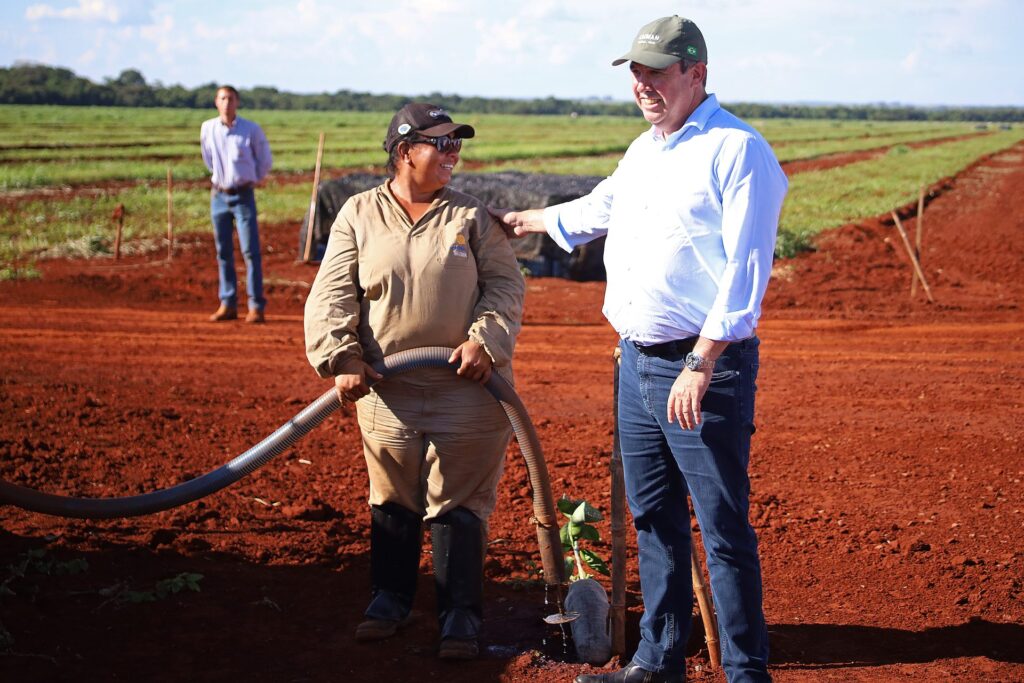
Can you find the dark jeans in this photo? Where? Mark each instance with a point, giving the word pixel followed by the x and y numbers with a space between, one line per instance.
pixel 228 212
pixel 661 463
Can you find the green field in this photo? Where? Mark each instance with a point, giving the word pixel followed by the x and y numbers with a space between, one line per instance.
pixel 118 155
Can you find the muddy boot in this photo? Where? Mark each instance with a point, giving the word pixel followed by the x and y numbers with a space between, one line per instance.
pixel 396 537
pixel 458 577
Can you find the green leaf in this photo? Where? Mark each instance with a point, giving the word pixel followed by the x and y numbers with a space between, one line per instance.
pixel 572 531
pixel 585 513
pixel 570 566
pixel 594 562
pixel 568 505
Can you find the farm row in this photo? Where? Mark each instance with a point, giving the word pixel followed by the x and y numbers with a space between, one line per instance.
pixel 47 146
pixel 65 169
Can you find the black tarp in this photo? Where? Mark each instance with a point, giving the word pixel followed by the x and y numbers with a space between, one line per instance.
pixel 510 189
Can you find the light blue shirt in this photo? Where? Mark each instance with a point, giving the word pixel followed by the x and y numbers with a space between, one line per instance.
pixel 691 222
pixel 236 155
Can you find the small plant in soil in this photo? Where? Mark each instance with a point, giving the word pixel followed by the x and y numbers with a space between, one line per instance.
pixel 578 528
pixel 586 601
pixel 120 593
pixel 534 577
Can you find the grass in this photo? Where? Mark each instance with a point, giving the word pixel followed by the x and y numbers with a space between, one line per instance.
pixel 45 147
pixel 819 200
pixel 40 224
pixel 818 148
pixel 57 146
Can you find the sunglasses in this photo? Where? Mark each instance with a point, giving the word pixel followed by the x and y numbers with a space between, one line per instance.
pixel 443 144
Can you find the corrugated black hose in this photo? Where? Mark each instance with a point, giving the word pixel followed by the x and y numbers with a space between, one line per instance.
pixel 287 434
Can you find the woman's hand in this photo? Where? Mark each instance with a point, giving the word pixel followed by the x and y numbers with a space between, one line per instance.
pixel 474 363
pixel 353 382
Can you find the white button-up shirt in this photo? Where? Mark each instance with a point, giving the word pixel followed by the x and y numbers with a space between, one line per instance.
pixel 691 221
pixel 237 155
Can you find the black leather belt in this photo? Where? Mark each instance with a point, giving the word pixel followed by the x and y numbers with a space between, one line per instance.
pixel 233 190
pixel 676 347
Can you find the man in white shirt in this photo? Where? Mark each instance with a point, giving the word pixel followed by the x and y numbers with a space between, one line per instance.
pixel 690 216
pixel 237 154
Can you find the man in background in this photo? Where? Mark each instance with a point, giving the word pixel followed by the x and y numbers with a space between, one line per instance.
pixel 237 155
pixel 690 216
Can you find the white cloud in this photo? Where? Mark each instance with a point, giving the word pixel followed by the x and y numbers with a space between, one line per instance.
pixel 87 57
pixel 87 10
pixel 165 37
pixel 911 62
pixel 110 11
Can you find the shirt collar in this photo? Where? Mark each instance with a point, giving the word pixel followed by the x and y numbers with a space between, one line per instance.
pixel 698 119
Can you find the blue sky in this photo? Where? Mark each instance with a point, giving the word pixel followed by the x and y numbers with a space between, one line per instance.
pixel 926 52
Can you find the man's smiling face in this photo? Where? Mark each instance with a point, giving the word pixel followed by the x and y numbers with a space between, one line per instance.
pixel 668 96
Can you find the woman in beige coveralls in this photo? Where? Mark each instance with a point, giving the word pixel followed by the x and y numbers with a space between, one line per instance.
pixel 412 263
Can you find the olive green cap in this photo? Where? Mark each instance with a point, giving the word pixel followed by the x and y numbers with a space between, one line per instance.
pixel 665 41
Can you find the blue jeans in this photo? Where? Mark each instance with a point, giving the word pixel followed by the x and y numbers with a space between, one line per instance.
pixel 228 212
pixel 662 463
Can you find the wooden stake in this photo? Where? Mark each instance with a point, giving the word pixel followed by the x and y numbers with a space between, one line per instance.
pixel 917 238
pixel 913 258
pixel 170 215
pixel 707 609
pixel 119 217
pixel 618 602
pixel 312 202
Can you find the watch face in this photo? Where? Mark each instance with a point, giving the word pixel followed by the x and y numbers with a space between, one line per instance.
pixel 693 361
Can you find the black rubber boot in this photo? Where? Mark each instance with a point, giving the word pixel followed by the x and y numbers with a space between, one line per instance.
pixel 396 538
pixel 459 579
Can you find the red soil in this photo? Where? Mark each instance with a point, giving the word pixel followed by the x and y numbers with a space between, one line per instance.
pixel 886 471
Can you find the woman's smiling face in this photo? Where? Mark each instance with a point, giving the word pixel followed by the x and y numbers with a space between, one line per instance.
pixel 430 169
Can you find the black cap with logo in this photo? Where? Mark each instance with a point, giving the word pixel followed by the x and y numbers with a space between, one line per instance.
pixel 427 120
pixel 665 41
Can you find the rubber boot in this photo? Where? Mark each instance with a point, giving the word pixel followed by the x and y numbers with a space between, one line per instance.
pixel 396 538
pixel 458 545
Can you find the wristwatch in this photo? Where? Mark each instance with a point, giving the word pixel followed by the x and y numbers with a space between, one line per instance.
pixel 696 363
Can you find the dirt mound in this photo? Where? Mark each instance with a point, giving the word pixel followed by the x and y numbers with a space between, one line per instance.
pixel 886 470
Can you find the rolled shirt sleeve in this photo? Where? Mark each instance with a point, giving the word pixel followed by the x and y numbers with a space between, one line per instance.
pixel 581 220
pixel 262 157
pixel 332 310
pixel 205 143
pixel 753 187
pixel 497 314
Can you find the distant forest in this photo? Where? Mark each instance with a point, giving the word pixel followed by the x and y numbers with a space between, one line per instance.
pixel 41 84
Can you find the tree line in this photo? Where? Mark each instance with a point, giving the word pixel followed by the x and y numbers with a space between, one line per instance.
pixel 42 84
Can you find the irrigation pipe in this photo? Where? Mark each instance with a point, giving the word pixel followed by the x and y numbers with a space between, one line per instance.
pixel 287 434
